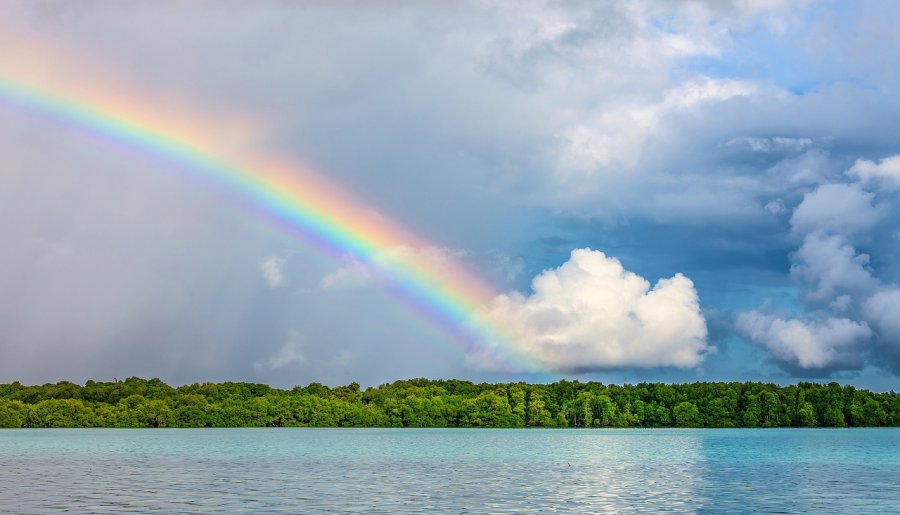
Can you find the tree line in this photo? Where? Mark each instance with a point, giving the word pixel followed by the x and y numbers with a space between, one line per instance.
pixel 142 403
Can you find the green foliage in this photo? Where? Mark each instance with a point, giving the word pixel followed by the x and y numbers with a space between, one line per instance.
pixel 833 417
pixel 489 409
pixel 807 415
pixel 13 414
pixel 137 402
pixel 537 413
pixel 687 415
pixel 60 413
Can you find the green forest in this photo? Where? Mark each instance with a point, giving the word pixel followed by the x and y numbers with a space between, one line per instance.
pixel 137 402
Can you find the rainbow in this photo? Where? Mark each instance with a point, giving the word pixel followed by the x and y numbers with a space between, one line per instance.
pixel 297 200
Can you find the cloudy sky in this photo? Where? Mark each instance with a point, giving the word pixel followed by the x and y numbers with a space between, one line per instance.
pixel 654 190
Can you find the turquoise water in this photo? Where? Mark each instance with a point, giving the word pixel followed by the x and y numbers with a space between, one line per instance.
pixel 450 470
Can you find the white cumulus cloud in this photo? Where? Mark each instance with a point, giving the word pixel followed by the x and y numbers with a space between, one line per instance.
pixel 807 344
pixel 617 135
pixel 591 313
pixel 844 209
pixel 831 267
pixel 883 312
pixel 853 310
pixel 885 170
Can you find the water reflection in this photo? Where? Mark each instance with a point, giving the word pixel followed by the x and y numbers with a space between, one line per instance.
pixel 449 471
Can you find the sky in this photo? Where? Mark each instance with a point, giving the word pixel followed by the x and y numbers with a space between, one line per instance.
pixel 650 190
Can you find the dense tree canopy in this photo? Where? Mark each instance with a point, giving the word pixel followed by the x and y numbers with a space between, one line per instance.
pixel 138 402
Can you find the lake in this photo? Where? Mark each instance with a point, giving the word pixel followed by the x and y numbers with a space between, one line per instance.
pixel 450 470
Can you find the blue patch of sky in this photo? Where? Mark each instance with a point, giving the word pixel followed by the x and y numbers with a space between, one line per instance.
pixel 789 59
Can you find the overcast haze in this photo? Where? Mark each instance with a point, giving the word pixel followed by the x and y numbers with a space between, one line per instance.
pixel 656 190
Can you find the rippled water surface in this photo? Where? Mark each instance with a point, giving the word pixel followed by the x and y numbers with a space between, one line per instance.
pixel 450 470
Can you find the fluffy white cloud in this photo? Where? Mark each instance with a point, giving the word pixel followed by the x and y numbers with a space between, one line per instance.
pixel 844 209
pixel 616 136
pixel 832 343
pixel 831 267
pixel 883 311
pixel 886 170
pixel 590 313
pixel 273 271
pixel 837 280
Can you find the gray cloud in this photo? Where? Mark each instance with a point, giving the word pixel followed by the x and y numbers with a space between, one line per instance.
pixel 831 268
pixel 778 144
pixel 838 280
pixel 811 347
pixel 885 171
pixel 291 353
pixel 844 209
pixel 666 132
pixel 273 271
pixel 882 310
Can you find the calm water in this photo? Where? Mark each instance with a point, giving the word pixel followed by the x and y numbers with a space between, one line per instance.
pixel 450 470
